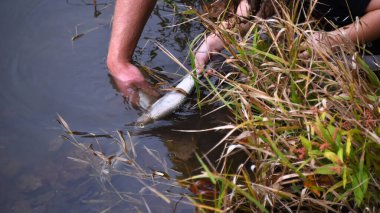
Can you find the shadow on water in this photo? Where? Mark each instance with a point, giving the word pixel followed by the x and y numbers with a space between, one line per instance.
pixel 52 58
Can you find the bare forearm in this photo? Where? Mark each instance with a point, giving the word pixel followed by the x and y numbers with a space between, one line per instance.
pixel 368 28
pixel 129 19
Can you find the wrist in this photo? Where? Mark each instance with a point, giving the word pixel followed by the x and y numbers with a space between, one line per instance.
pixel 117 63
pixel 125 71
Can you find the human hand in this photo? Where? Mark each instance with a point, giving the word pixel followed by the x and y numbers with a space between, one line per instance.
pixel 129 80
pixel 328 41
pixel 314 41
pixel 211 45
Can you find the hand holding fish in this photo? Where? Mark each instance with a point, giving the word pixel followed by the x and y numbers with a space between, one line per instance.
pixel 129 80
pixel 127 25
pixel 211 45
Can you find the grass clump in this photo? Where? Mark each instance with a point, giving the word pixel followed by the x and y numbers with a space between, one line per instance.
pixel 309 127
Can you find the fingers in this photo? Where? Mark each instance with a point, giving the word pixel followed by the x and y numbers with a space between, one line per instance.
pixel 129 81
pixel 316 40
pixel 201 59
pixel 210 72
pixel 148 89
pixel 129 92
pixel 304 55
pixel 134 98
pixel 211 45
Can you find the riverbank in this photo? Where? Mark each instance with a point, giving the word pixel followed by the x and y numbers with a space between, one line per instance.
pixel 309 128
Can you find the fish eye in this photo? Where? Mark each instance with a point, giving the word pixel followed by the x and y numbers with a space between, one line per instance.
pixel 172 155
pixel 140 125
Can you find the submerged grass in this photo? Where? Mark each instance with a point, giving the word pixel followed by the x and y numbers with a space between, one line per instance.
pixel 107 165
pixel 309 127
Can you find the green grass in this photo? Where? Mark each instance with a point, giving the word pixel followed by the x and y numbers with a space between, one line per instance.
pixel 309 126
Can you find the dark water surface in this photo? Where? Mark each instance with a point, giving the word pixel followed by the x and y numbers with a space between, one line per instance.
pixel 45 73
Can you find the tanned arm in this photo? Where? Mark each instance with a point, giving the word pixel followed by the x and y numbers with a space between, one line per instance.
pixel 128 23
pixel 366 30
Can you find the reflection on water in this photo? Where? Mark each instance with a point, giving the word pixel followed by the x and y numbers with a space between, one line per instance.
pixel 45 72
pixel 131 165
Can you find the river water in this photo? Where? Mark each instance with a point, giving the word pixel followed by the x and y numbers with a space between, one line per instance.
pixel 45 73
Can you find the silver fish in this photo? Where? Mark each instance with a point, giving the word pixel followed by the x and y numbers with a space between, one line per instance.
pixel 146 100
pixel 169 102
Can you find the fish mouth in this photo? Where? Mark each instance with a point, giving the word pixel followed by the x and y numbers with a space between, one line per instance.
pixel 143 120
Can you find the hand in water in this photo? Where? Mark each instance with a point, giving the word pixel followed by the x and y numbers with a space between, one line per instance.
pixel 129 80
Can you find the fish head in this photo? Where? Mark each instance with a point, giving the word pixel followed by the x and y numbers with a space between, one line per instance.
pixel 143 119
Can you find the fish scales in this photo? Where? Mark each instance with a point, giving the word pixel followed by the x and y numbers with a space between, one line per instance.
pixel 169 102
